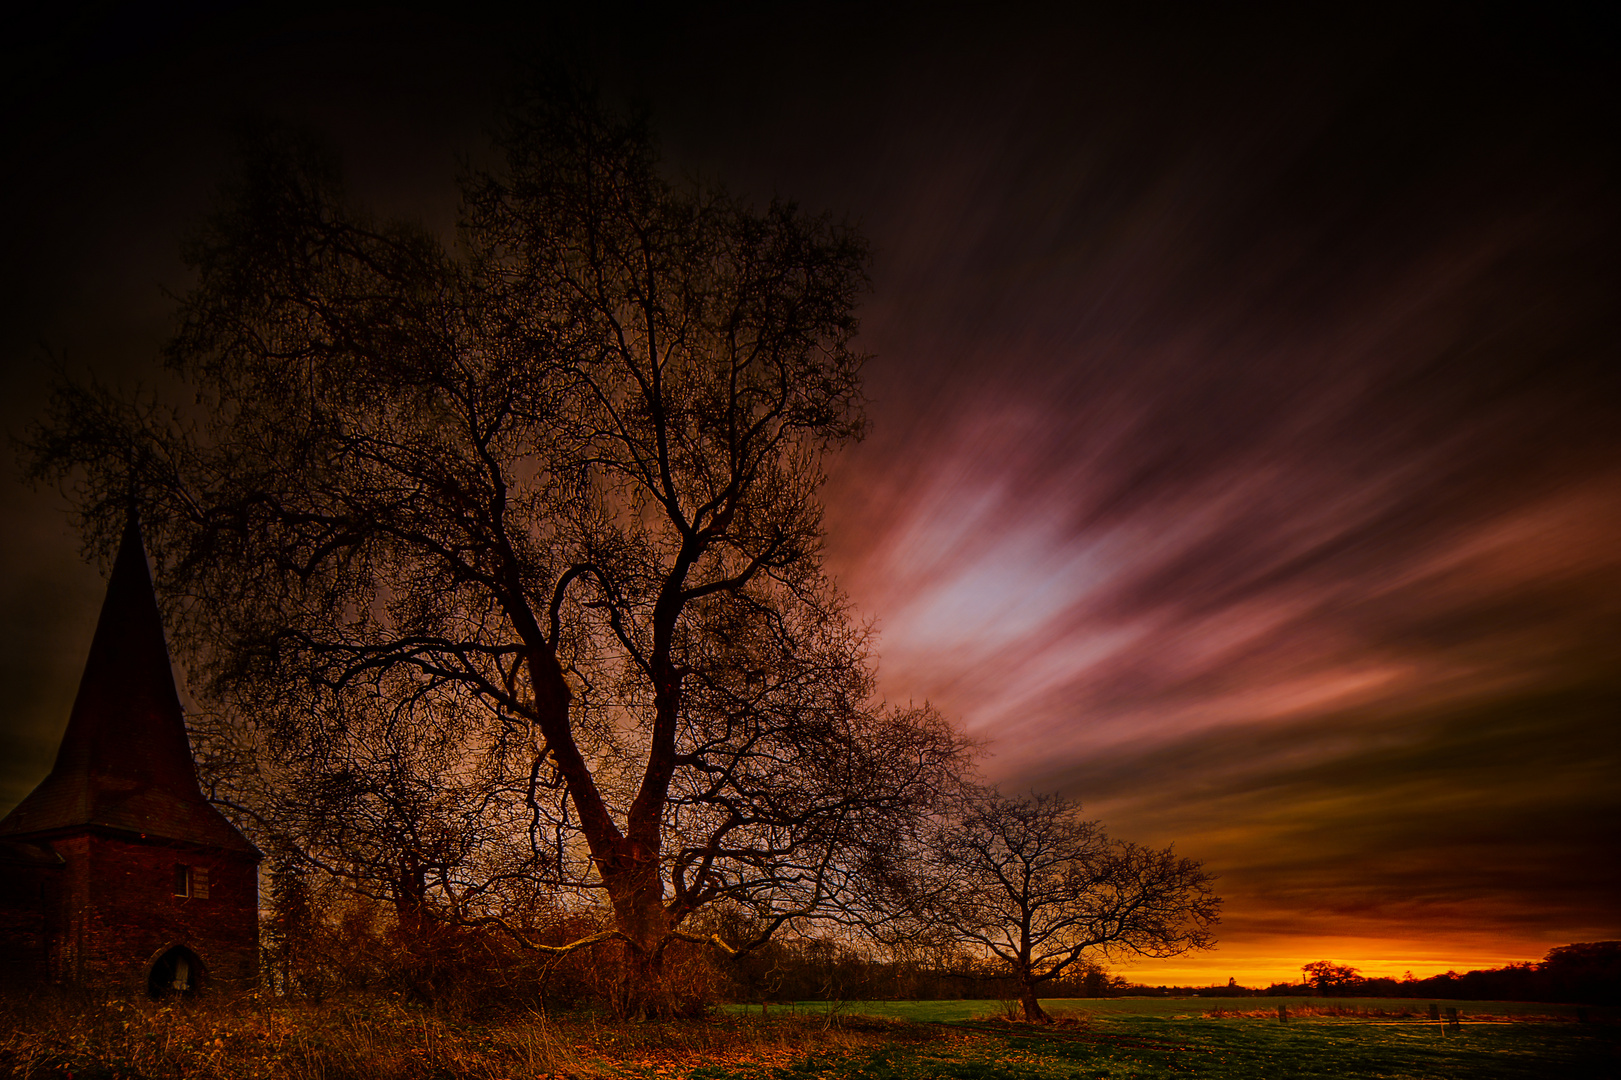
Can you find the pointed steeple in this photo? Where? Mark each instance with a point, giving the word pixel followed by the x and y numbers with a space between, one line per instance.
pixel 125 762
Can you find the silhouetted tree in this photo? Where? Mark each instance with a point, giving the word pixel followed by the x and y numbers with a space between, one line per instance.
pixel 1328 978
pixel 288 937
pixel 1588 971
pixel 1042 890
pixel 511 549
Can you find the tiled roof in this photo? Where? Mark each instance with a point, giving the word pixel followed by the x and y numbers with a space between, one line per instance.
pixel 19 854
pixel 125 762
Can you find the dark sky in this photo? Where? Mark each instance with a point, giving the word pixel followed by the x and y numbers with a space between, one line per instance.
pixel 1246 456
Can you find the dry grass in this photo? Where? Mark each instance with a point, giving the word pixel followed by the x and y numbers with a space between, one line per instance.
pixel 382 1039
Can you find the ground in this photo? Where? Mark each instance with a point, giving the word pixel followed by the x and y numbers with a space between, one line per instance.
pixel 1142 1039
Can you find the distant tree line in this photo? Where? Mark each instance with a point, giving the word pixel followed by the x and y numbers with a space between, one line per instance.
pixel 322 939
pixel 1586 973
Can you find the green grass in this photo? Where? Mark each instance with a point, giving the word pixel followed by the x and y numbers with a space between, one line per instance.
pixel 1145 1046
pixel 969 1009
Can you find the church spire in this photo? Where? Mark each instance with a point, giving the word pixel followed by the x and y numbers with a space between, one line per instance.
pixel 127 725
pixel 125 762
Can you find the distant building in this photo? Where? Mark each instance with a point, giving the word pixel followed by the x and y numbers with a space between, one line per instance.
pixel 115 872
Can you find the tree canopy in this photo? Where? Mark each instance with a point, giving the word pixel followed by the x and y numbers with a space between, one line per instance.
pixel 1042 890
pixel 506 551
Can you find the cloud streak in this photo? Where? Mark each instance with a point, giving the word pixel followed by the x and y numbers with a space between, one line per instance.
pixel 1257 480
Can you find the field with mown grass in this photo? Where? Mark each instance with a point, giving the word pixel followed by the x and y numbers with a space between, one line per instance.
pixel 1352 1007
pixel 1112 1039
pixel 1123 1046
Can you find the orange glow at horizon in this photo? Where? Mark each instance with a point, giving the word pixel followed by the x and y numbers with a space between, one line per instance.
pixel 1260 964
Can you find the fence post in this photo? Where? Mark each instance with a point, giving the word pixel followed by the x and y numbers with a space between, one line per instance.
pixel 1452 1018
pixel 1283 1014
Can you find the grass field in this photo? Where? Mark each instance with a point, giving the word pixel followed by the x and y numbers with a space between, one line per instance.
pixel 1370 1008
pixel 1117 1039
pixel 1152 1048
pixel 1149 1038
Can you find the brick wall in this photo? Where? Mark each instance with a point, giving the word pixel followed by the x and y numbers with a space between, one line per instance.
pixel 120 912
pixel 30 903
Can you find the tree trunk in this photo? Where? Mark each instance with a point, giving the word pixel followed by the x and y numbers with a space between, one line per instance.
pixel 627 864
pixel 1032 1008
pixel 637 896
pixel 627 861
pixel 645 996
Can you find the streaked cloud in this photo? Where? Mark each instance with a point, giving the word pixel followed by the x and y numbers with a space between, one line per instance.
pixel 1259 481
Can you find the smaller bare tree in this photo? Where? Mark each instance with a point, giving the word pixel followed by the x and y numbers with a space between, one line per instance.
pixel 1042 890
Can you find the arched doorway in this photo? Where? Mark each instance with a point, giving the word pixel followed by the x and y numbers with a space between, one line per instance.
pixel 176 971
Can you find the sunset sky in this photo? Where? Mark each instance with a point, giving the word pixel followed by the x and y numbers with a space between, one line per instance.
pixel 1246 398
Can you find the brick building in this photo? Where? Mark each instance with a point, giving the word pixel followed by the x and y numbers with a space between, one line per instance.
pixel 115 872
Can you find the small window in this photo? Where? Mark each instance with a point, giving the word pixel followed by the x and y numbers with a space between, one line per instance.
pixel 182 880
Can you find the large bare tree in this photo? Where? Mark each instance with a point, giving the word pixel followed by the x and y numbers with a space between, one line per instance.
pixel 1042 890
pixel 510 547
